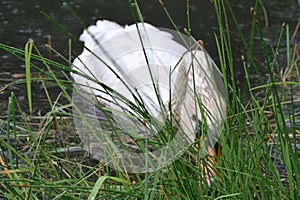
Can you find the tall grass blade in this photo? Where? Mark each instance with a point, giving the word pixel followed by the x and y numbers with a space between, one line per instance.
pixel 97 187
pixel 28 51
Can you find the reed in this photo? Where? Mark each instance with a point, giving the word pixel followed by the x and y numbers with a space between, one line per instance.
pixel 42 157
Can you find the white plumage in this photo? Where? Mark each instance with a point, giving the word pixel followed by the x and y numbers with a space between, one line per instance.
pixel 154 72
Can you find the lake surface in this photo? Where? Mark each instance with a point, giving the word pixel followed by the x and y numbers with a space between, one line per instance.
pixel 23 20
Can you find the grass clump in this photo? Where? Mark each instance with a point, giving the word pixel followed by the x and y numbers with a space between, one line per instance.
pixel 42 157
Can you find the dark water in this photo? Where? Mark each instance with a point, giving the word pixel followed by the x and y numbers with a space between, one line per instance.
pixel 21 20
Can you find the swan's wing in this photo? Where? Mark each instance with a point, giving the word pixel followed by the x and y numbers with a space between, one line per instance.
pixel 113 53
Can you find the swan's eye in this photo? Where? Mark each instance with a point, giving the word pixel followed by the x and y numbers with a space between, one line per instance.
pixel 200 127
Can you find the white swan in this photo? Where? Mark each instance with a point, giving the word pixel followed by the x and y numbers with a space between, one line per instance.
pixel 144 72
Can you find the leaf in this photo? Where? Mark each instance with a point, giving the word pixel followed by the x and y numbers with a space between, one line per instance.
pixel 97 187
pixel 28 50
pixel 99 183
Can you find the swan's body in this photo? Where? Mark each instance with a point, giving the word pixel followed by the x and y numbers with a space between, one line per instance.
pixel 153 71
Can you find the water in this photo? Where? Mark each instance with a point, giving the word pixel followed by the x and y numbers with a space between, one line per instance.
pixel 21 20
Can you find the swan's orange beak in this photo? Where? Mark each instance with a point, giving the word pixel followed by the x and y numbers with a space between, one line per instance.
pixel 209 163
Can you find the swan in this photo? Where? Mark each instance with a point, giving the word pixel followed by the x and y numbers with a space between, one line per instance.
pixel 140 78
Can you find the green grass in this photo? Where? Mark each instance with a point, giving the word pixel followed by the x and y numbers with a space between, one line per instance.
pixel 42 157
